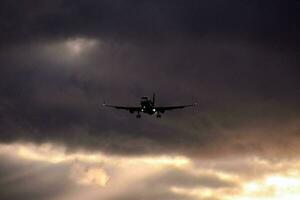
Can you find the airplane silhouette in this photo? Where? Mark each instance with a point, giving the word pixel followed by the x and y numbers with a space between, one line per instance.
pixel 148 106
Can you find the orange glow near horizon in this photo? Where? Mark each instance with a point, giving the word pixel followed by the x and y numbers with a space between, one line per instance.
pixel 271 181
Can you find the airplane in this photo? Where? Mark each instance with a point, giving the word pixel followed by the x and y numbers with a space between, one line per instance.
pixel 148 106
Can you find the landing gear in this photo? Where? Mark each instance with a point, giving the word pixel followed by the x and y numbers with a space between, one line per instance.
pixel 158 115
pixel 138 115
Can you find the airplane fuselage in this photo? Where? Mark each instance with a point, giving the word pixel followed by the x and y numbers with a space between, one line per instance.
pixel 148 107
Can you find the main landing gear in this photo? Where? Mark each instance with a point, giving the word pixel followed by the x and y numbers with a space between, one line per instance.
pixel 158 115
pixel 138 115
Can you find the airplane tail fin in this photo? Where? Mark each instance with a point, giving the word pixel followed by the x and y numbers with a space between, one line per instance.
pixel 153 99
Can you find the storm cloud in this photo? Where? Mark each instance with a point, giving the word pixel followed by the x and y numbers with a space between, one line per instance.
pixel 239 60
pixel 61 59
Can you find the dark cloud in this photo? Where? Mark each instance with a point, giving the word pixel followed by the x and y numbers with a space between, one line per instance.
pixel 240 87
pixel 239 59
pixel 60 59
pixel 30 20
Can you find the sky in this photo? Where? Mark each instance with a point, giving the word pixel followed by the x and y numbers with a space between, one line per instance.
pixel 61 59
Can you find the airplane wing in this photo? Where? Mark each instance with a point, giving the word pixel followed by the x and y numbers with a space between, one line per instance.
pixel 164 108
pixel 131 109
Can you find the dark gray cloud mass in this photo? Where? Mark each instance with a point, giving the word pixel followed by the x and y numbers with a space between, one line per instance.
pixel 238 59
pixel 30 20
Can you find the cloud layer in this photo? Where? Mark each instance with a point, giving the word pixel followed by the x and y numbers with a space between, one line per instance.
pixel 49 172
pixel 60 59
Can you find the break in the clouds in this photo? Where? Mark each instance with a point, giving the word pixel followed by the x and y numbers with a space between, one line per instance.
pixel 59 60
pixel 49 172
